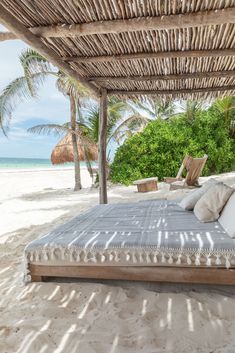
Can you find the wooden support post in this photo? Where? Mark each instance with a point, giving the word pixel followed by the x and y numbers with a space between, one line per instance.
pixel 102 147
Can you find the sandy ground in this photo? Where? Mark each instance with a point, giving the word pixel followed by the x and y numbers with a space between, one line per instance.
pixel 87 317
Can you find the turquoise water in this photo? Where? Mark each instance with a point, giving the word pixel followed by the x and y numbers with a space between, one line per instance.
pixel 31 163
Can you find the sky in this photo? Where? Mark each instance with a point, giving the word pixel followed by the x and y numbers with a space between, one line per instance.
pixel 50 107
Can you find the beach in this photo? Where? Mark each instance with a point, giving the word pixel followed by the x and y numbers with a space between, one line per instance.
pixel 90 316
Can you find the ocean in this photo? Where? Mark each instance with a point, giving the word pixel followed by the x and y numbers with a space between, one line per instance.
pixel 32 163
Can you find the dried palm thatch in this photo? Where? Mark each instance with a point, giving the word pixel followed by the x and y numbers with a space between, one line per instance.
pixel 175 49
pixel 63 151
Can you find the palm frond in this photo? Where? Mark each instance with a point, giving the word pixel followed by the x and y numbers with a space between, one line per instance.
pixel 47 129
pixel 225 104
pixel 132 124
pixel 226 107
pixel 58 129
pixel 92 121
pixel 13 94
pixel 71 87
pixel 137 105
pixel 191 108
pixel 33 63
pixel 154 108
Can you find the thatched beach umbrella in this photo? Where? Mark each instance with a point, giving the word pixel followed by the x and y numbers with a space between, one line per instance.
pixel 63 151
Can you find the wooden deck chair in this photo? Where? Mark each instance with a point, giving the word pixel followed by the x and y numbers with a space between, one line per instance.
pixel 194 167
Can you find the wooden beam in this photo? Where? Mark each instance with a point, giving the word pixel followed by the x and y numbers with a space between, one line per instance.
pixel 23 33
pixel 102 147
pixel 155 55
pixel 203 18
pixel 196 75
pixel 167 92
pixel 180 274
pixel 7 36
pixel 186 20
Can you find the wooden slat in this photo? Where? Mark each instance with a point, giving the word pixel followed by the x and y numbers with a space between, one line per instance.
pixel 102 147
pixel 167 92
pixel 203 18
pixel 206 275
pixel 23 33
pixel 196 75
pixel 152 55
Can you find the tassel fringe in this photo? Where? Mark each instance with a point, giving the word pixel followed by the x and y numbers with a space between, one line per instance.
pixel 131 255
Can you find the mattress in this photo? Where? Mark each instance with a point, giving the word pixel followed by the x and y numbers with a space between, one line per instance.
pixel 149 233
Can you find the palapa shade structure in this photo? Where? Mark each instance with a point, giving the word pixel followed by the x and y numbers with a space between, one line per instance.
pixel 177 49
pixel 63 151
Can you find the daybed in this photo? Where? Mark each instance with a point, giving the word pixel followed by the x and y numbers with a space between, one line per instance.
pixel 151 240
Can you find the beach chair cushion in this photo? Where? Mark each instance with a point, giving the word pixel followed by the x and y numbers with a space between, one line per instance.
pixel 209 206
pixel 189 201
pixel 227 218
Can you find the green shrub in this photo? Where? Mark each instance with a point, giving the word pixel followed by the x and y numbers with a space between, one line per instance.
pixel 159 149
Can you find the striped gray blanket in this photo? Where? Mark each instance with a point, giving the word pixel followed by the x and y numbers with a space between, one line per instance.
pixel 156 232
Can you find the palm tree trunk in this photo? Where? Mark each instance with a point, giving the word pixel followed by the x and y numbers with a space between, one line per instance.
pixel 78 185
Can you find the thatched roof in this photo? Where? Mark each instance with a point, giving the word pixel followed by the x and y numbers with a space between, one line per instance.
pixel 63 151
pixel 174 48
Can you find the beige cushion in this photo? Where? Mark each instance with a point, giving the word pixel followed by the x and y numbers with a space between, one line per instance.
pixel 209 206
pixel 190 200
pixel 227 217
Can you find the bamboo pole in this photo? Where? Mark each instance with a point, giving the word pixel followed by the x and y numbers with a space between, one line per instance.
pixel 168 92
pixel 102 148
pixel 152 55
pixel 195 75
pixel 27 36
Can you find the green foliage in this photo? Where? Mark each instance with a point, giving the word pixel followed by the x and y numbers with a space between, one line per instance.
pixel 160 148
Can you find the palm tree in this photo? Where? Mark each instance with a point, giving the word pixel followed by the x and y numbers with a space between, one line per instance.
pixel 71 88
pixel 36 69
pixel 120 120
pixel 154 108
pixel 191 108
pixel 123 120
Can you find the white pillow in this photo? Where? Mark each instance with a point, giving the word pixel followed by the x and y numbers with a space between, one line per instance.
pixel 209 206
pixel 227 217
pixel 190 200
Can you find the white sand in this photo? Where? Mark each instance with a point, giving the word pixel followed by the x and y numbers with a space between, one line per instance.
pixel 91 317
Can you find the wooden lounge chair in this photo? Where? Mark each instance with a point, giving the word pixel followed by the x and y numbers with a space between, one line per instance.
pixel 194 167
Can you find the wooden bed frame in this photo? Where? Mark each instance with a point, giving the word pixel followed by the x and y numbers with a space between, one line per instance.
pixel 203 275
